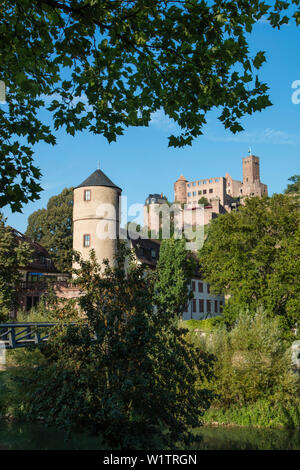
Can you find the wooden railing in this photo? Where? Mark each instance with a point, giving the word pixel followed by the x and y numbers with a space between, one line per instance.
pixel 19 335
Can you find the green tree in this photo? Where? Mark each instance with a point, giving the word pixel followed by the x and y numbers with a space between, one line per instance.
pixel 53 229
pixel 105 65
pixel 203 200
pixel 252 373
pixel 294 186
pixel 115 385
pixel 13 255
pixel 175 269
pixel 253 255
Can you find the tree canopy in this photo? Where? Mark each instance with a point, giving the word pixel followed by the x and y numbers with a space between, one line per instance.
pixel 13 255
pixel 111 372
pixel 175 269
pixel 294 186
pixel 253 255
pixel 104 65
pixel 53 229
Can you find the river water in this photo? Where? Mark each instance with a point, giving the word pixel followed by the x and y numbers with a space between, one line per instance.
pixel 18 436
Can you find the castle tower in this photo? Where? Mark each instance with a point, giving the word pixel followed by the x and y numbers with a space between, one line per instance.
pixel 250 170
pixel 252 185
pixel 96 217
pixel 180 190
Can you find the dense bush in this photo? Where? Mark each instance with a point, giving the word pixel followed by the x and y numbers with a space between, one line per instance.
pixel 136 385
pixel 253 376
pixel 262 413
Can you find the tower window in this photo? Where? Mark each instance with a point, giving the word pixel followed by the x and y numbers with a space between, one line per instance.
pixel 86 240
pixel 87 194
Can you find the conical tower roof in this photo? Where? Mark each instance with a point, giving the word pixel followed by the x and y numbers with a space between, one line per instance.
pixel 181 178
pixel 98 178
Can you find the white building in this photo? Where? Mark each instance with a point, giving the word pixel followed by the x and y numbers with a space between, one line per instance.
pixel 204 304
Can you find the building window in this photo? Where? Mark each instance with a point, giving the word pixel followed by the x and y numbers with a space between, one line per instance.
pixel 194 184
pixel 204 191
pixel 189 185
pixel 208 306
pixel 210 181
pixel 199 182
pixel 86 240
pixel 199 192
pixel 201 306
pixel 211 190
pixel 189 194
pixel 221 306
pixel 193 286
pixel 216 306
pixel 194 306
pixel 204 182
pixel 217 180
pixel 208 288
pixel 153 253
pixel 200 287
pixel 87 194
pixel 194 193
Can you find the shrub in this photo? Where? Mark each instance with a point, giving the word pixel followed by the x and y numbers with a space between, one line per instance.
pixel 135 384
pixel 252 369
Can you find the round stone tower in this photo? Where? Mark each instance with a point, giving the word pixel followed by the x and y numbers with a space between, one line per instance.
pixel 180 190
pixel 96 217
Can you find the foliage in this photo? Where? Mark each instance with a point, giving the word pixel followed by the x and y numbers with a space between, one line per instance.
pixel 12 256
pixel 175 269
pixel 114 386
pixel 253 255
pixel 203 201
pixel 262 413
pixel 252 367
pixel 50 309
pixel 209 324
pixel 15 401
pixel 294 186
pixel 104 66
pixel 53 229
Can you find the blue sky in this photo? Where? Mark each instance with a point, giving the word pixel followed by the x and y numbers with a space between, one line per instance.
pixel 140 162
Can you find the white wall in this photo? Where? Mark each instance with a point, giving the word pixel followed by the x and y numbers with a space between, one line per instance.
pixel 190 315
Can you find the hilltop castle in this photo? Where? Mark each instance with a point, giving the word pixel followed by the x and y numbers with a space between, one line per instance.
pixel 221 193
pixel 225 188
